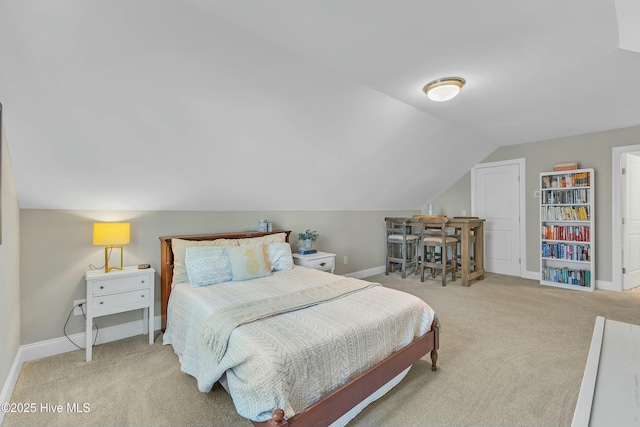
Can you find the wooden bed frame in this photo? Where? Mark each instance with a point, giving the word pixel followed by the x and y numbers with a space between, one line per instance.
pixel 340 401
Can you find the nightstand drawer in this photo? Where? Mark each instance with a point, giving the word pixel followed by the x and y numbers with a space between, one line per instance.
pixel 105 287
pixel 108 302
pixel 322 263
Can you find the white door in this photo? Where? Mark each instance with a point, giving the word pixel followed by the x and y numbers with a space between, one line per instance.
pixel 497 200
pixel 631 225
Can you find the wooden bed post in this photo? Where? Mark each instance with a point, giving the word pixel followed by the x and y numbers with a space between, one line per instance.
pixel 277 419
pixel 435 327
pixel 166 270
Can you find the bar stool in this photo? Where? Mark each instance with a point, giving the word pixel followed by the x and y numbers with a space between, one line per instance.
pixel 400 238
pixel 434 236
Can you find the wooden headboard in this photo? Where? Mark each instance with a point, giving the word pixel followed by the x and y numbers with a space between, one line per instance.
pixel 166 259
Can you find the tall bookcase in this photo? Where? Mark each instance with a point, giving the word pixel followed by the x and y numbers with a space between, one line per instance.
pixel 567 229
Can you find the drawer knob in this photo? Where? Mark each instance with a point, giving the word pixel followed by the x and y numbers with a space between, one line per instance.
pixel 322 264
pixel 142 281
pixel 101 287
pixel 101 302
pixel 141 296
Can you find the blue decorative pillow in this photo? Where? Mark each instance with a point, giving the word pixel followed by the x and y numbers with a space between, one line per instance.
pixel 248 262
pixel 279 255
pixel 207 265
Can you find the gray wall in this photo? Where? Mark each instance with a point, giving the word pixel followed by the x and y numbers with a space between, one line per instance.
pixel 590 151
pixel 57 251
pixel 9 268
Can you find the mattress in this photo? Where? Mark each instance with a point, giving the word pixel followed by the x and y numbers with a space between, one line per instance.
pixel 290 360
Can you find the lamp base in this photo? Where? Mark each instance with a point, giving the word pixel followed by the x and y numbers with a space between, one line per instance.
pixel 107 252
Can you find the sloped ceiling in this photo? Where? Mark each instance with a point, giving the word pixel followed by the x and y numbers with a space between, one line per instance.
pixel 289 104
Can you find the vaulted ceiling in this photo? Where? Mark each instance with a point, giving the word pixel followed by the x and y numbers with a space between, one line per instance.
pixel 296 104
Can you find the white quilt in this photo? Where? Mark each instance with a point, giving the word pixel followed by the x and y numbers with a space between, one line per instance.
pixel 291 360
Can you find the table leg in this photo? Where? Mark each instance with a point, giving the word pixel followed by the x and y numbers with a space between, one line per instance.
pixel 478 249
pixel 465 255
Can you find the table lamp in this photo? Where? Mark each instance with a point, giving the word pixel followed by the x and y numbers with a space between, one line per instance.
pixel 111 235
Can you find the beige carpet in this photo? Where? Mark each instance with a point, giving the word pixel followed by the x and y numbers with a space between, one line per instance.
pixel 512 354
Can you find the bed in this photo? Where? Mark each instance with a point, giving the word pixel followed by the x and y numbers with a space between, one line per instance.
pixel 298 394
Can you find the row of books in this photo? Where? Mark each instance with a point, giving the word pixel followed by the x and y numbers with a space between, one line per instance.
pixel 567 180
pixel 552 197
pixel 566 251
pixel 577 233
pixel 565 213
pixel 567 276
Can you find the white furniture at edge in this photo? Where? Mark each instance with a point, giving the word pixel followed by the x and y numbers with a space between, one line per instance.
pixel 610 387
pixel 118 291
pixel 320 261
pixel 567 229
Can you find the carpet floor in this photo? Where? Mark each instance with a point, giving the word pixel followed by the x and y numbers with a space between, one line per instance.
pixel 512 353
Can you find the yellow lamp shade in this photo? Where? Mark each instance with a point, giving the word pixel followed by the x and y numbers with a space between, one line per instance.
pixel 111 233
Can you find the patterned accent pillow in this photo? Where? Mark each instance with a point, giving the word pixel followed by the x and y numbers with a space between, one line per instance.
pixel 179 248
pixel 279 255
pixel 207 265
pixel 248 262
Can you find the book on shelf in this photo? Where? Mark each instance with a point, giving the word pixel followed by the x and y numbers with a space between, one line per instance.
pixel 566 166
pixel 303 251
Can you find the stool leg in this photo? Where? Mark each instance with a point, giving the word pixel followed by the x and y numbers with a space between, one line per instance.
pixel 388 263
pixel 443 263
pixel 454 259
pixel 403 255
pixel 422 261
pixel 433 261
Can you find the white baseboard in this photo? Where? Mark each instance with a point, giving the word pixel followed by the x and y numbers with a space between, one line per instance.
pixel 533 275
pixel 10 383
pixel 61 345
pixel 366 273
pixel 606 285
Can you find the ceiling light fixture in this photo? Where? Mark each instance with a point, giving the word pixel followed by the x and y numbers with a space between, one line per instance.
pixel 444 89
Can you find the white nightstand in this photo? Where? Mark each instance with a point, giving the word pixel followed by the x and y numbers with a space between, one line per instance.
pixel 118 291
pixel 320 261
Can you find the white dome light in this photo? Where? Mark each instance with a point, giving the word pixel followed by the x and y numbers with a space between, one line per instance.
pixel 444 89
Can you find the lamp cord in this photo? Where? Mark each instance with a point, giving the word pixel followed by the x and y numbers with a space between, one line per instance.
pixel 93 267
pixel 64 328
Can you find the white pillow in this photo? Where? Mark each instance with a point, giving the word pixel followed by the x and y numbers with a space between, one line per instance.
pixel 207 265
pixel 279 255
pixel 179 247
pixel 265 240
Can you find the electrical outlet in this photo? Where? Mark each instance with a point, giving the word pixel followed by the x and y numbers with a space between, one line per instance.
pixel 77 311
pixel 346 259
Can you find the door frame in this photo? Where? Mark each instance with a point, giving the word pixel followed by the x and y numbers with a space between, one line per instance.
pixel 616 214
pixel 521 189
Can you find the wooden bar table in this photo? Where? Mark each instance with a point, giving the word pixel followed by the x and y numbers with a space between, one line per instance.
pixel 472 235
pixel 470 226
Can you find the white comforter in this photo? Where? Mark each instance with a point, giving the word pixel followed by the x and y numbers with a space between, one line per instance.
pixel 292 359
